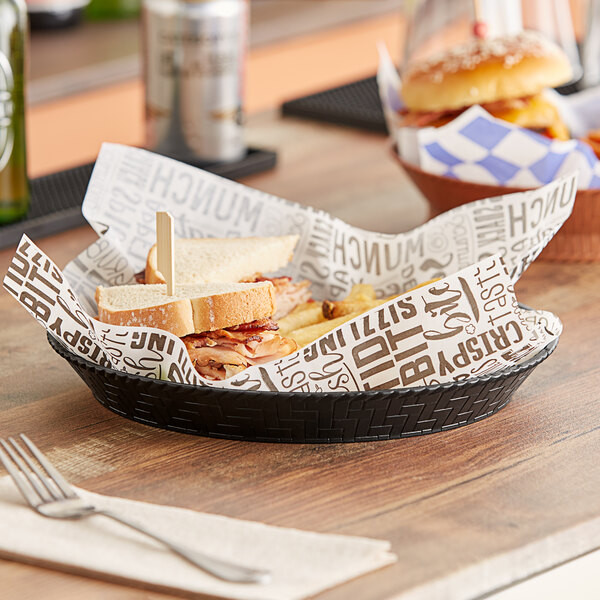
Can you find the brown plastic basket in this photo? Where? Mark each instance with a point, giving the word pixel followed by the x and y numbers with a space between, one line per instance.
pixel 578 240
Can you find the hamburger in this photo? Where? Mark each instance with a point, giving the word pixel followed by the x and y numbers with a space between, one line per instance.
pixel 505 75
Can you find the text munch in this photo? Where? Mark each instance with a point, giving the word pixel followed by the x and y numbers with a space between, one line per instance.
pixel 375 257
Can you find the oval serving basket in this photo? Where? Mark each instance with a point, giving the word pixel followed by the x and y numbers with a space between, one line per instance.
pixel 300 417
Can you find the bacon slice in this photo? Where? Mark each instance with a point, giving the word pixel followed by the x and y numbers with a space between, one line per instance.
pixel 267 324
pixel 225 352
pixel 532 112
pixel 441 117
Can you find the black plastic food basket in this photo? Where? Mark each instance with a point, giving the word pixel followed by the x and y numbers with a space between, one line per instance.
pixel 320 417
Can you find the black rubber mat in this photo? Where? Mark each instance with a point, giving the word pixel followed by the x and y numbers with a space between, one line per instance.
pixel 56 198
pixel 356 104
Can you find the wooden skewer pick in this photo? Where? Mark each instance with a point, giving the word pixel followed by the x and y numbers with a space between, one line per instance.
pixel 165 249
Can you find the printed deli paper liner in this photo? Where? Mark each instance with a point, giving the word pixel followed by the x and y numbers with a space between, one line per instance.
pixel 465 325
pixel 480 148
pixel 468 323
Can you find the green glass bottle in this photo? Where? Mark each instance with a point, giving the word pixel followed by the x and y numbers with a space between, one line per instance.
pixel 14 185
pixel 112 9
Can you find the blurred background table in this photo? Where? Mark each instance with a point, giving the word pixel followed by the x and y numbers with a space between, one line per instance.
pixel 467 511
pixel 296 47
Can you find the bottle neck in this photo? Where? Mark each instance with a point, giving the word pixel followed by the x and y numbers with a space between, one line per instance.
pixel 14 186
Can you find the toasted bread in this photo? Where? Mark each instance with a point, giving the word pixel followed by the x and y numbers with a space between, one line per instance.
pixel 193 308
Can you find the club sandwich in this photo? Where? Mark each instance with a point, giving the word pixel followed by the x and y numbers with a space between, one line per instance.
pixel 226 327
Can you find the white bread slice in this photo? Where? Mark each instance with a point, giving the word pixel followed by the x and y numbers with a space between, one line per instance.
pixel 194 307
pixel 211 260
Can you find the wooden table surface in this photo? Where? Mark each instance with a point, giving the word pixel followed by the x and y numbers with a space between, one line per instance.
pixel 467 511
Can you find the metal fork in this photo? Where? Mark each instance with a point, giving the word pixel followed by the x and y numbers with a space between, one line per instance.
pixel 48 493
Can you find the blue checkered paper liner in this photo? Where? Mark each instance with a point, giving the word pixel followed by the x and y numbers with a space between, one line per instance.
pixel 479 148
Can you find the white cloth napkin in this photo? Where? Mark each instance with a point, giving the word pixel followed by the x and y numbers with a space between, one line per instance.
pixel 302 563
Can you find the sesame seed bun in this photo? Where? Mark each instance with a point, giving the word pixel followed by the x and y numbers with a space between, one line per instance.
pixel 485 71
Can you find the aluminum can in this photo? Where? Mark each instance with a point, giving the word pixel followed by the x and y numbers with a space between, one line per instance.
pixel 194 61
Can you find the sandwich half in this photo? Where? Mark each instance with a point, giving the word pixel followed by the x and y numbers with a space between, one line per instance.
pixel 214 260
pixel 226 327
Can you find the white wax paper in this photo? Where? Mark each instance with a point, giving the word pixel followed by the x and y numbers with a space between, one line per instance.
pixel 466 324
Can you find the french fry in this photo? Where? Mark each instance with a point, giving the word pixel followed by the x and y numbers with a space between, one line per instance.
pixel 361 291
pixel 360 299
pixel 428 282
pixel 305 335
pixel 593 140
pixel 311 320
pixel 333 310
pixel 303 306
pixel 301 316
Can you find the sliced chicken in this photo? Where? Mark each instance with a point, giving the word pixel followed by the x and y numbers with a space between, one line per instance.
pixel 225 352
